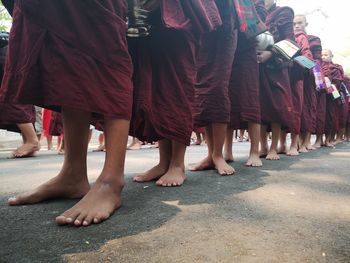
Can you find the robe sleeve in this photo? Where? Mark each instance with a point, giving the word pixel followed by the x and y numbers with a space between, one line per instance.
pixel 285 24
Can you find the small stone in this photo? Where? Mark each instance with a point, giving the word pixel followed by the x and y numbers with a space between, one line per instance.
pixel 323 254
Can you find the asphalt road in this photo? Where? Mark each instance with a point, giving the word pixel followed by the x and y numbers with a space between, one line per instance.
pixel 293 210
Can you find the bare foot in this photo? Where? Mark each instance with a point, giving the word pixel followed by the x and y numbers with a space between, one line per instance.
pixel 26 150
pixel 317 145
pixel 337 142
pixel 60 152
pixel 134 146
pixel 228 157
pixel 206 164
pixel 254 161
pixel 96 206
pixel 223 167
pixel 282 149
pixel 329 145
pixel 173 177
pixel 57 187
pixel 153 174
pixel 303 149
pixel 272 155
pixel 196 142
pixel 293 151
pixel 100 148
pixel 310 147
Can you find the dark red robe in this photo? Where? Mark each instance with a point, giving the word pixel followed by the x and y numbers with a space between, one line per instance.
pixel 214 68
pixel 165 71
pixel 12 114
pixel 320 108
pixel 244 83
pixel 335 73
pixel 275 90
pixel 347 84
pixel 70 53
pixel 304 108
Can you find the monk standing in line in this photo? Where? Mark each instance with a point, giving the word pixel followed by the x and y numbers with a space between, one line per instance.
pixel 275 90
pixel 72 56
pixel 244 94
pixel 335 73
pixel 15 116
pixel 300 88
pixel 212 101
pixel 309 113
pixel 320 109
pixel 164 79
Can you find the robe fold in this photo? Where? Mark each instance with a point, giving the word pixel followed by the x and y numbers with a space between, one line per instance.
pixel 275 89
pixel 165 71
pixel 13 113
pixel 69 53
pixel 244 82
pixel 214 68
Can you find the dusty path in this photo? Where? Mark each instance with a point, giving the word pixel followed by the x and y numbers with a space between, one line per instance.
pixel 295 210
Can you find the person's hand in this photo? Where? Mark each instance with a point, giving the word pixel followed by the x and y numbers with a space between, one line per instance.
pixel 264 56
pixel 150 5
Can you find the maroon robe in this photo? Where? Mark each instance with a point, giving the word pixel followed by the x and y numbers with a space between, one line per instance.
pixel 297 76
pixel 214 68
pixel 335 73
pixel 275 90
pixel 12 114
pixel 305 110
pixel 70 53
pixel 164 72
pixel 347 84
pixel 244 83
pixel 320 109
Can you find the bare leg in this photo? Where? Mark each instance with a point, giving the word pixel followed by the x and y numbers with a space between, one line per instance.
pixel 30 142
pixel 71 182
pixel 101 141
pixel 254 134
pixel 198 139
pixel 319 141
pixel 282 149
pixel 293 151
pixel 228 155
pixel 303 143
pixel 165 150
pixel 328 142
pixel 175 176
pixel 263 141
pixel 49 142
pixel 219 133
pixel 307 142
pixel 207 163
pixel 61 147
pixel 135 145
pixel 105 195
pixel 340 135
pixel 272 154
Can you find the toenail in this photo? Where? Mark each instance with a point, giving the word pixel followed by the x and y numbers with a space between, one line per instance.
pixel 85 223
pixel 69 220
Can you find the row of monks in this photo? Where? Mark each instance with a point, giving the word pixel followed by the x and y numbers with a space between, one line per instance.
pixel 197 69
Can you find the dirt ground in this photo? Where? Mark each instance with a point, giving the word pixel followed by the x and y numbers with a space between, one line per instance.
pixel 294 210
